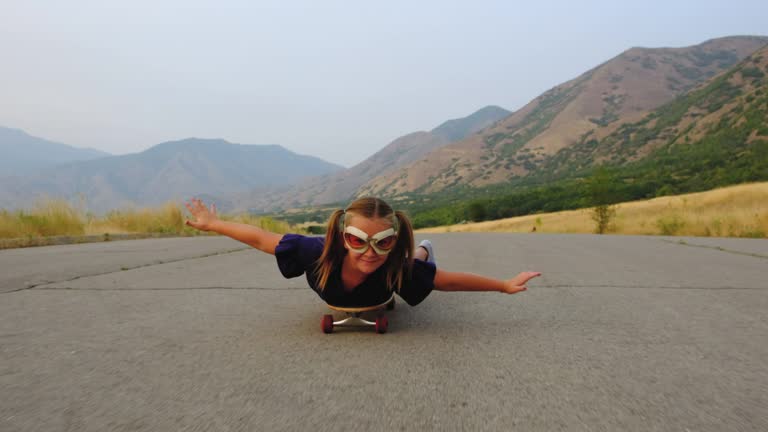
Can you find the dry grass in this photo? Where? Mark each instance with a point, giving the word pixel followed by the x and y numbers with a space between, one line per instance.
pixel 167 219
pixel 58 218
pixel 736 211
pixel 47 218
pixel 267 223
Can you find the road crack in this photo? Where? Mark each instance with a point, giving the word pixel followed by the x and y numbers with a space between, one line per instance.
pixel 122 269
pixel 172 289
pixel 676 287
pixel 717 248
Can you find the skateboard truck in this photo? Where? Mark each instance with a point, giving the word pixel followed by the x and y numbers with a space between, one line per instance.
pixel 354 317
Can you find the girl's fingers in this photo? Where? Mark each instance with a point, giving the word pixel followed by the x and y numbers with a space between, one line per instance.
pixel 199 211
pixel 198 206
pixel 522 278
pixel 192 207
pixel 531 275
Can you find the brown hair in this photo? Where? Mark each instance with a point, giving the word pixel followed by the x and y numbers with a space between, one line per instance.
pixel 399 261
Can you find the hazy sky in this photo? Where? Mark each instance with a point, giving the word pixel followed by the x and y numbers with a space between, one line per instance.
pixel 333 79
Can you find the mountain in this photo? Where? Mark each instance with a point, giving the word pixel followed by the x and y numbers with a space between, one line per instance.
pixel 621 90
pixel 24 154
pixel 713 136
pixel 340 186
pixel 458 129
pixel 174 170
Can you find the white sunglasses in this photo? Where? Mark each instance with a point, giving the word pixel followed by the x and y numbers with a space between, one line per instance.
pixel 382 242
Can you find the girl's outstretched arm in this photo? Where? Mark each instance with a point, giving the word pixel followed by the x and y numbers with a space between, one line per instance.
pixel 207 220
pixel 458 281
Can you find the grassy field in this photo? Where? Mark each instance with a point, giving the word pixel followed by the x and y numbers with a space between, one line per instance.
pixel 736 211
pixel 55 218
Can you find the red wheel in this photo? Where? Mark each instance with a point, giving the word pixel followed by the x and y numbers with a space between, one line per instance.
pixel 381 324
pixel 326 324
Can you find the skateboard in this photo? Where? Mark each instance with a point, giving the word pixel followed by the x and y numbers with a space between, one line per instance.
pixel 354 318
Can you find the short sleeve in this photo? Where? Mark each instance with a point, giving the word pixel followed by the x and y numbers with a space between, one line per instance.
pixel 421 284
pixel 296 253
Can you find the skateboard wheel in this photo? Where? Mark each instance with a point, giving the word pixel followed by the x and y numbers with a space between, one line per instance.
pixel 391 304
pixel 326 324
pixel 381 324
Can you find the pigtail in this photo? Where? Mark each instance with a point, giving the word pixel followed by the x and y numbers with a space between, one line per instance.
pixel 333 249
pixel 401 257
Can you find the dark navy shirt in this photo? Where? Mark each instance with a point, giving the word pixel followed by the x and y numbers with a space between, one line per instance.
pixel 297 254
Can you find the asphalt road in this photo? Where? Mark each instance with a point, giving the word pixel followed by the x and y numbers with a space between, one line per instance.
pixel 203 334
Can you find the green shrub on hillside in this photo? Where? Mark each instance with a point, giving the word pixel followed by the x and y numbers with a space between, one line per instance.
pixel 752 72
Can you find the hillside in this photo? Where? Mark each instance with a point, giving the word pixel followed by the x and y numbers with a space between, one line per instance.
pixel 623 89
pixel 174 170
pixel 721 125
pixel 342 185
pixel 715 135
pixel 24 154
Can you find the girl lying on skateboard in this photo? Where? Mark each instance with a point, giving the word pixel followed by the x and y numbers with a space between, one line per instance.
pixel 367 253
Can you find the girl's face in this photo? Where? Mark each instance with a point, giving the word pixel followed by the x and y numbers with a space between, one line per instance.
pixel 368 261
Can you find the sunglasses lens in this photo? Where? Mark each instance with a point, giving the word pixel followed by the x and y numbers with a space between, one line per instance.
pixel 386 243
pixel 354 241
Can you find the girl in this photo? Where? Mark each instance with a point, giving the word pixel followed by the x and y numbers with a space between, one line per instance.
pixel 367 253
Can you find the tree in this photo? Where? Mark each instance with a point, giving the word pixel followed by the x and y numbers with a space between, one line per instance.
pixel 477 211
pixel 601 189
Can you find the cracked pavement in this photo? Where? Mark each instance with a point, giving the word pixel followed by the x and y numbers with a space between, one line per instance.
pixel 620 333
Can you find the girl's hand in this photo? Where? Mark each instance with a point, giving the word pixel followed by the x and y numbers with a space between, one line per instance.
pixel 517 283
pixel 203 216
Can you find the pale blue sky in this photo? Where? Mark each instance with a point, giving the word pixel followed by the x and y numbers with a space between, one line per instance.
pixel 333 79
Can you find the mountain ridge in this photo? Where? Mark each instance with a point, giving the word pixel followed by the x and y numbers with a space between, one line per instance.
pixel 621 89
pixel 342 185
pixel 24 153
pixel 713 136
pixel 174 170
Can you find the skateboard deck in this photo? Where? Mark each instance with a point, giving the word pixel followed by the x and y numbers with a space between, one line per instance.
pixel 354 318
